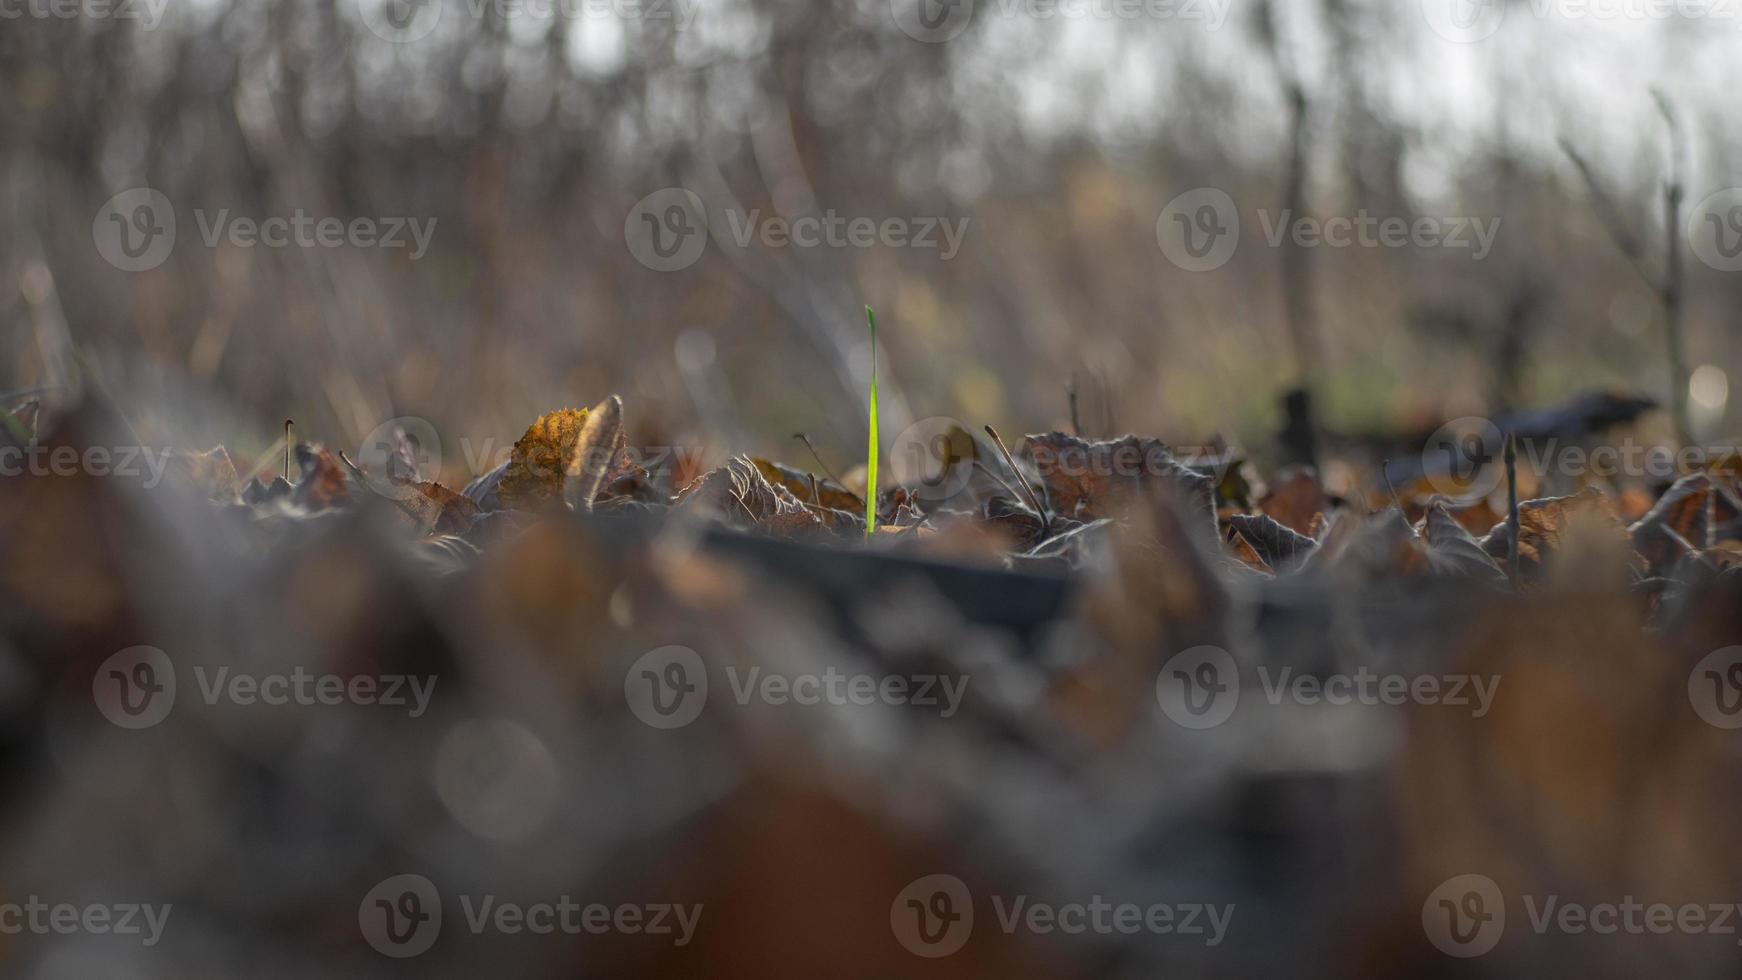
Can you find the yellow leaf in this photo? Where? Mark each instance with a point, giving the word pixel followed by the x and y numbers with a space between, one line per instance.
pixel 542 459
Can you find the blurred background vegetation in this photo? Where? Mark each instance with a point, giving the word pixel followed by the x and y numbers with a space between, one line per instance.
pixel 529 134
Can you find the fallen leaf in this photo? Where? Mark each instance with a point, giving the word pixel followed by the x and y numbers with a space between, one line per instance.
pixel 1542 524
pixel 1297 498
pixel 808 488
pixel 1678 520
pixel 1452 550
pixel 1276 545
pixel 1086 481
pixel 739 495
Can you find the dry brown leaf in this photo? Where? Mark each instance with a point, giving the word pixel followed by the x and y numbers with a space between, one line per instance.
pixel 1086 481
pixel 1295 500
pixel 1453 550
pixel 1543 523
pixel 441 510
pixel 1275 544
pixel 1678 520
pixel 826 493
pixel 1244 551
pixel 737 494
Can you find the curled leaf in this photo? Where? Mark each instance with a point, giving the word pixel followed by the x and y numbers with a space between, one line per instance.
pixel 1276 545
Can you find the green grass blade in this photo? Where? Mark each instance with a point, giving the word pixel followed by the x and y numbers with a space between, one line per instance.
pixel 871 451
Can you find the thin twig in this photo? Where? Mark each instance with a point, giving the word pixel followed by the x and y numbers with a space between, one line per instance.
pixel 1670 290
pixel 1010 461
pixel 287 424
pixel 1385 468
pixel 1512 524
pixel 801 437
